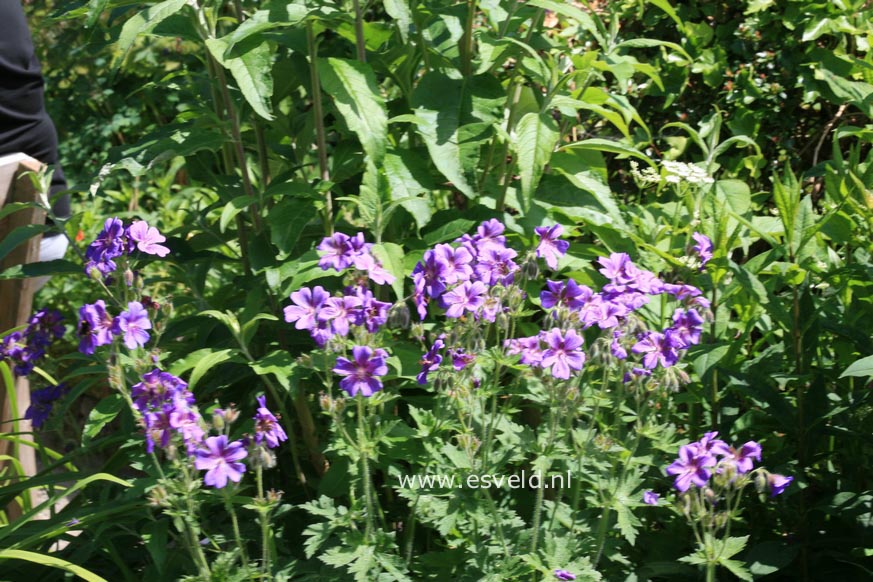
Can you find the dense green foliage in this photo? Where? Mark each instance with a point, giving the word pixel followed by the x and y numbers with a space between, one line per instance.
pixel 249 130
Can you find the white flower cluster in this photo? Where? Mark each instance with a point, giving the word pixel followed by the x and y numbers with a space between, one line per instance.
pixel 672 173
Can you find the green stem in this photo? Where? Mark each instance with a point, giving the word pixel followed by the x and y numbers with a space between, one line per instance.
pixel 228 504
pixel 364 444
pixel 359 33
pixel 318 112
pixel 710 572
pixel 265 527
pixel 467 47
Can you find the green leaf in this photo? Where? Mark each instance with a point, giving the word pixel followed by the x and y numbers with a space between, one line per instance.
pixel 438 102
pixel 400 12
pixel 287 220
pixel 606 145
pixel 737 568
pixel 712 355
pixel 43 269
pixel 101 415
pixel 52 562
pixel 18 236
pixel 862 368
pixel 736 193
pixel 356 95
pixel 207 363
pixel 537 137
pixel 391 257
pixel 406 181
pixel 569 11
pixel 769 557
pixel 279 363
pixel 143 23
pixel 252 69
pixel 449 231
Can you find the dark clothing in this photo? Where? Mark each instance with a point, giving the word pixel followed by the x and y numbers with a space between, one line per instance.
pixel 24 124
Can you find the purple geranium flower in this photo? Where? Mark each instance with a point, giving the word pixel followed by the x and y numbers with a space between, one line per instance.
pixel 650 498
pixel 133 324
pixel 567 293
pixel 528 347
pixel 563 353
pixel 743 459
pixel 468 296
pixel 307 302
pixel 658 348
pixel 221 461
pixel 95 327
pixel 495 266
pixel 336 252
pixel 692 467
pixel 430 361
pixel 372 314
pixel 108 245
pixel 687 327
pixel 361 372
pixel 186 422
pixel 778 483
pixel 550 246
pixel 562 574
pixel 147 238
pixel 373 268
pixel 41 403
pixel 461 359
pixel 428 275
pixel 340 312
pixel 456 263
pixel 267 427
pixel 703 248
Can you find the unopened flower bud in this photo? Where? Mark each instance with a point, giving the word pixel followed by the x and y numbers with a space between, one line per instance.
pixel 398 316
pixel 531 269
pixel 128 277
pixel 710 496
pixel 158 497
pixel 230 414
pixel 263 458
pixel 218 419
pixel 274 496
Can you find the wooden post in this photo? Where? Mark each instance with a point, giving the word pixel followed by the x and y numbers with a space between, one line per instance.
pixel 16 303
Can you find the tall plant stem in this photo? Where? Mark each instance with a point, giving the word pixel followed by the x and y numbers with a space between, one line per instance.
pixel 514 97
pixel 364 443
pixel 359 33
pixel 710 572
pixel 228 504
pixel 318 111
pixel 238 148
pixel 263 517
pixel 467 47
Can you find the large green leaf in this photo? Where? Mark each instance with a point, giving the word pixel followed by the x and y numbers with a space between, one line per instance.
pixel 862 368
pixel 287 219
pixel 438 102
pixel 144 22
pixel 537 137
pixel 252 69
pixel 356 95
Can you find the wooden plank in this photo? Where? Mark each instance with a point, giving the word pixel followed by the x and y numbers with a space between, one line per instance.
pixel 16 301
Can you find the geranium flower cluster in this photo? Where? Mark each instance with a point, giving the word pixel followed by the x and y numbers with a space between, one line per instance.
pixel 326 316
pixel 116 240
pixel 578 307
pixel 461 279
pixel 699 461
pixel 98 328
pixel 26 348
pixel 168 410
